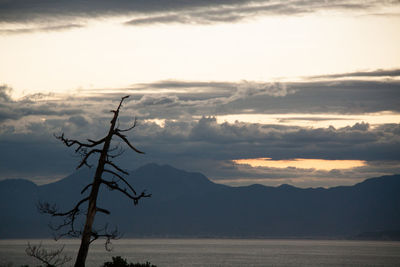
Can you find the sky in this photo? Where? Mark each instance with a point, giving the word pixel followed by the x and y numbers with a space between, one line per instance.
pixel 273 92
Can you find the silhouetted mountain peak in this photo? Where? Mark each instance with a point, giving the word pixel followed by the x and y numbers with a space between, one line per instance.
pixel 189 204
pixel 157 178
pixel 286 186
pixel 16 186
pixel 163 170
pixel 392 179
pixel 16 183
pixel 150 167
pixel 77 179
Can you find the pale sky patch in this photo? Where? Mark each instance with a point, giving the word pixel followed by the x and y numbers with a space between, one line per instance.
pixel 319 164
pixel 159 122
pixel 107 54
pixel 313 120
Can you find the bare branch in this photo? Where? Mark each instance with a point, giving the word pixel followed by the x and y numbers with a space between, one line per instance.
pixel 68 221
pixel 121 178
pixel 122 100
pixel 117 110
pixel 70 233
pixel 114 186
pixel 117 154
pixel 98 142
pixel 128 129
pixel 86 157
pixel 114 234
pixel 71 142
pixel 85 188
pixel 116 167
pixel 103 210
pixel 48 257
pixel 135 198
pixel 123 137
pixel 45 207
pixel 142 195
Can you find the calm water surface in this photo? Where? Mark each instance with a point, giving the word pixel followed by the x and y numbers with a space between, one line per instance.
pixel 220 252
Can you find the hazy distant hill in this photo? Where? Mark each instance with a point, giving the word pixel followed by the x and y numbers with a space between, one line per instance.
pixel 188 204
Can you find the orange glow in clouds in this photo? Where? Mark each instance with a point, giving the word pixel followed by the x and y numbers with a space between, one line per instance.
pixel 319 164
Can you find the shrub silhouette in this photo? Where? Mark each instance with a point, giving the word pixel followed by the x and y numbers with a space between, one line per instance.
pixel 118 261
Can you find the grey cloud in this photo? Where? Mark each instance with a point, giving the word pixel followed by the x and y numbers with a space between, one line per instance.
pixel 78 120
pixel 222 92
pixel 5 93
pixel 14 110
pixel 390 128
pixel 207 139
pixel 375 93
pixel 184 100
pixel 346 97
pixel 189 99
pixel 329 96
pixel 249 10
pixel 248 89
pixel 5 103
pixel 225 14
pixel 184 84
pixel 159 19
pixel 246 10
pixel 156 11
pixel 192 139
pixel 208 147
pixel 148 100
pixel 359 126
pixel 288 119
pixel 50 28
pixel 376 73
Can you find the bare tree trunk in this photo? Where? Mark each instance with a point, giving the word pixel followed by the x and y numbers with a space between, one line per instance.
pixel 118 183
pixel 87 231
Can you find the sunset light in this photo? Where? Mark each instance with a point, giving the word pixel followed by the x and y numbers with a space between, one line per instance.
pixel 319 164
pixel 200 133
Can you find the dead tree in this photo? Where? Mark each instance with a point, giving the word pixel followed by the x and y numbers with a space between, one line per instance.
pixel 51 258
pixel 105 165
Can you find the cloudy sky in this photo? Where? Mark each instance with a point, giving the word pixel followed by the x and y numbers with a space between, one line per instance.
pixel 270 92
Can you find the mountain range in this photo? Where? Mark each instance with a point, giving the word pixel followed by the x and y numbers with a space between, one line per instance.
pixel 187 204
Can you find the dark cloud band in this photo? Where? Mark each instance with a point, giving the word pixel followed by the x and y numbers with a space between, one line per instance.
pixel 170 11
pixel 64 27
pixel 190 136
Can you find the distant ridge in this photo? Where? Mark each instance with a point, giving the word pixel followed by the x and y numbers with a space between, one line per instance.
pixel 187 204
pixel 381 235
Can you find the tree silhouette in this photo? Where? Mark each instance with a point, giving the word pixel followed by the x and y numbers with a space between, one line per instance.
pixel 52 258
pixel 105 165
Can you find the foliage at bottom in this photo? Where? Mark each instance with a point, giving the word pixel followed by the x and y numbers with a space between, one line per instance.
pixel 118 261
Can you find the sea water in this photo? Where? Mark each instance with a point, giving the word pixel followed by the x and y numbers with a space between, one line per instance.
pixel 218 252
